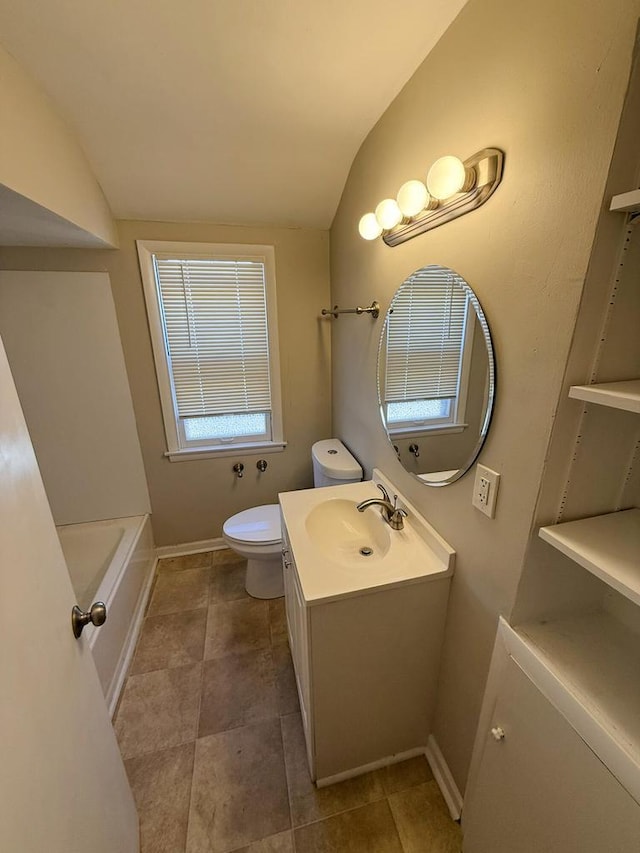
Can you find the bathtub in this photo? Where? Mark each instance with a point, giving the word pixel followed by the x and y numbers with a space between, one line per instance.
pixel 111 561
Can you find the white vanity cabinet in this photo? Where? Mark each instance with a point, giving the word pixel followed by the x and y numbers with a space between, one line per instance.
pixel 539 787
pixel 297 627
pixel 366 666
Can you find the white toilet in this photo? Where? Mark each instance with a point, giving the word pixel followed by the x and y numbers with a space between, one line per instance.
pixel 256 533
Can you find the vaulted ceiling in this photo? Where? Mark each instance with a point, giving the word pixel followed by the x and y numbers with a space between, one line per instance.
pixel 239 111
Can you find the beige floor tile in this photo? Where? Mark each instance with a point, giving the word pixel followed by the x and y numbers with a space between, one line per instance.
pixel 176 639
pixel 161 784
pixel 177 591
pixel 278 621
pixel 405 774
pixel 236 627
pixel 188 561
pixel 227 581
pixel 280 843
pixel 237 690
pixel 368 829
pixel 239 792
pixel 309 803
pixel 423 821
pixel 288 702
pixel 158 710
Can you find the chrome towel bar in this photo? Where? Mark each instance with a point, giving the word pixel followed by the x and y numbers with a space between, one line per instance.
pixel 373 309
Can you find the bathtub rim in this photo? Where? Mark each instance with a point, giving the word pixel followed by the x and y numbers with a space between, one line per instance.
pixel 108 589
pixel 120 557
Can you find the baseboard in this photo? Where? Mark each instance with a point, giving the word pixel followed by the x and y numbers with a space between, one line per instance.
pixel 191 548
pixel 444 778
pixel 367 768
pixel 117 682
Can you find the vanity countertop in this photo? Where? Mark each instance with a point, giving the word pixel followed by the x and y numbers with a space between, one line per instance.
pixel 326 534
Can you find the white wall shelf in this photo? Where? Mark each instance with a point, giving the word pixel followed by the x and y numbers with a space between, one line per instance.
pixel 616 395
pixel 608 546
pixel 626 201
pixel 588 666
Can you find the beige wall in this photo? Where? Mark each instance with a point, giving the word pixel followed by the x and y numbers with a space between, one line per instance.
pixel 61 336
pixel 190 500
pixel 41 160
pixel 544 82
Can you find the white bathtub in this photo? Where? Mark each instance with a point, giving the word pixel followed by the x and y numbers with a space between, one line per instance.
pixel 111 561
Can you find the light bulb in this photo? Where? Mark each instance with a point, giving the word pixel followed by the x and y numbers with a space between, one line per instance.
pixel 412 198
pixel 388 213
pixel 368 227
pixel 449 176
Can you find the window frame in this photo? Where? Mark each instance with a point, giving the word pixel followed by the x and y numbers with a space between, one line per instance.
pixel 176 450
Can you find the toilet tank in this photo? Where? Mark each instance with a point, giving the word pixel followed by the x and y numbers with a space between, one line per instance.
pixel 333 465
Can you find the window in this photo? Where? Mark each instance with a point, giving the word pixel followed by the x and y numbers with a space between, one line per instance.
pixel 212 315
pixel 427 355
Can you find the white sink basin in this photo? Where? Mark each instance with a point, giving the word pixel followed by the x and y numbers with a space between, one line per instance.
pixel 342 533
pixel 327 536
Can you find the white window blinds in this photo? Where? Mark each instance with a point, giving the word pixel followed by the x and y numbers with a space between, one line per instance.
pixel 424 338
pixel 215 324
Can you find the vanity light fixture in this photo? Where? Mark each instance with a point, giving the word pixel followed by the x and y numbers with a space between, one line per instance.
pixel 453 187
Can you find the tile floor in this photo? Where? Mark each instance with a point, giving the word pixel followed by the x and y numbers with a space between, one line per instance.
pixel 209 727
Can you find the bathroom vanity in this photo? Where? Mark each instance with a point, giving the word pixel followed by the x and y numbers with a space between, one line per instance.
pixel 365 628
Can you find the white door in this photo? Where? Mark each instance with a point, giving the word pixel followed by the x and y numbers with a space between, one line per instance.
pixel 63 787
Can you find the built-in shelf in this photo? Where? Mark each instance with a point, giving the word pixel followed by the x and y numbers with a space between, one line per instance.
pixel 607 545
pixel 626 201
pixel 617 395
pixel 588 665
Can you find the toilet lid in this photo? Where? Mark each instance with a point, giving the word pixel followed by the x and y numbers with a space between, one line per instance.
pixel 260 525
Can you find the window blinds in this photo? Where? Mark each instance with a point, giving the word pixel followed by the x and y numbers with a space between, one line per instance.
pixel 215 320
pixel 425 334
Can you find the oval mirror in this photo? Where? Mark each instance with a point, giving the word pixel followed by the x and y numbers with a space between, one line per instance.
pixel 436 375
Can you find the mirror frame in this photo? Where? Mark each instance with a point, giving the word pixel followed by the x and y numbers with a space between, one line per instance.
pixel 491 391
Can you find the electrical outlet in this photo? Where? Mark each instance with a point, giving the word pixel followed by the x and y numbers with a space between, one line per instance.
pixel 485 490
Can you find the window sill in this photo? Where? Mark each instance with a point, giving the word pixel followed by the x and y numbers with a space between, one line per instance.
pixel 440 429
pixel 193 453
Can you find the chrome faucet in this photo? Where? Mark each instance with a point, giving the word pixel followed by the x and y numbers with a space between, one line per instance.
pixel 392 514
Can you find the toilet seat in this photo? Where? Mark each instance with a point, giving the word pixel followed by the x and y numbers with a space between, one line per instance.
pixel 256 534
pixel 259 525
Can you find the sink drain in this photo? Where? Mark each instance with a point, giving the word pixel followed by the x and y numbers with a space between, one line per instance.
pixel 366 552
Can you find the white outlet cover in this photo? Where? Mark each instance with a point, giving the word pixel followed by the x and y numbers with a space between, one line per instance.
pixel 493 478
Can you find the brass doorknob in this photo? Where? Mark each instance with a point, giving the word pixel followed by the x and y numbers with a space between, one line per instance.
pixel 97 615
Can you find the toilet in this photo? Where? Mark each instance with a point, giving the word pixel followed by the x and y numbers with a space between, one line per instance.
pixel 256 533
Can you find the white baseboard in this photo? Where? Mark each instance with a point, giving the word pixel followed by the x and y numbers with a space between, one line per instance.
pixel 444 778
pixel 367 768
pixel 117 682
pixel 191 548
